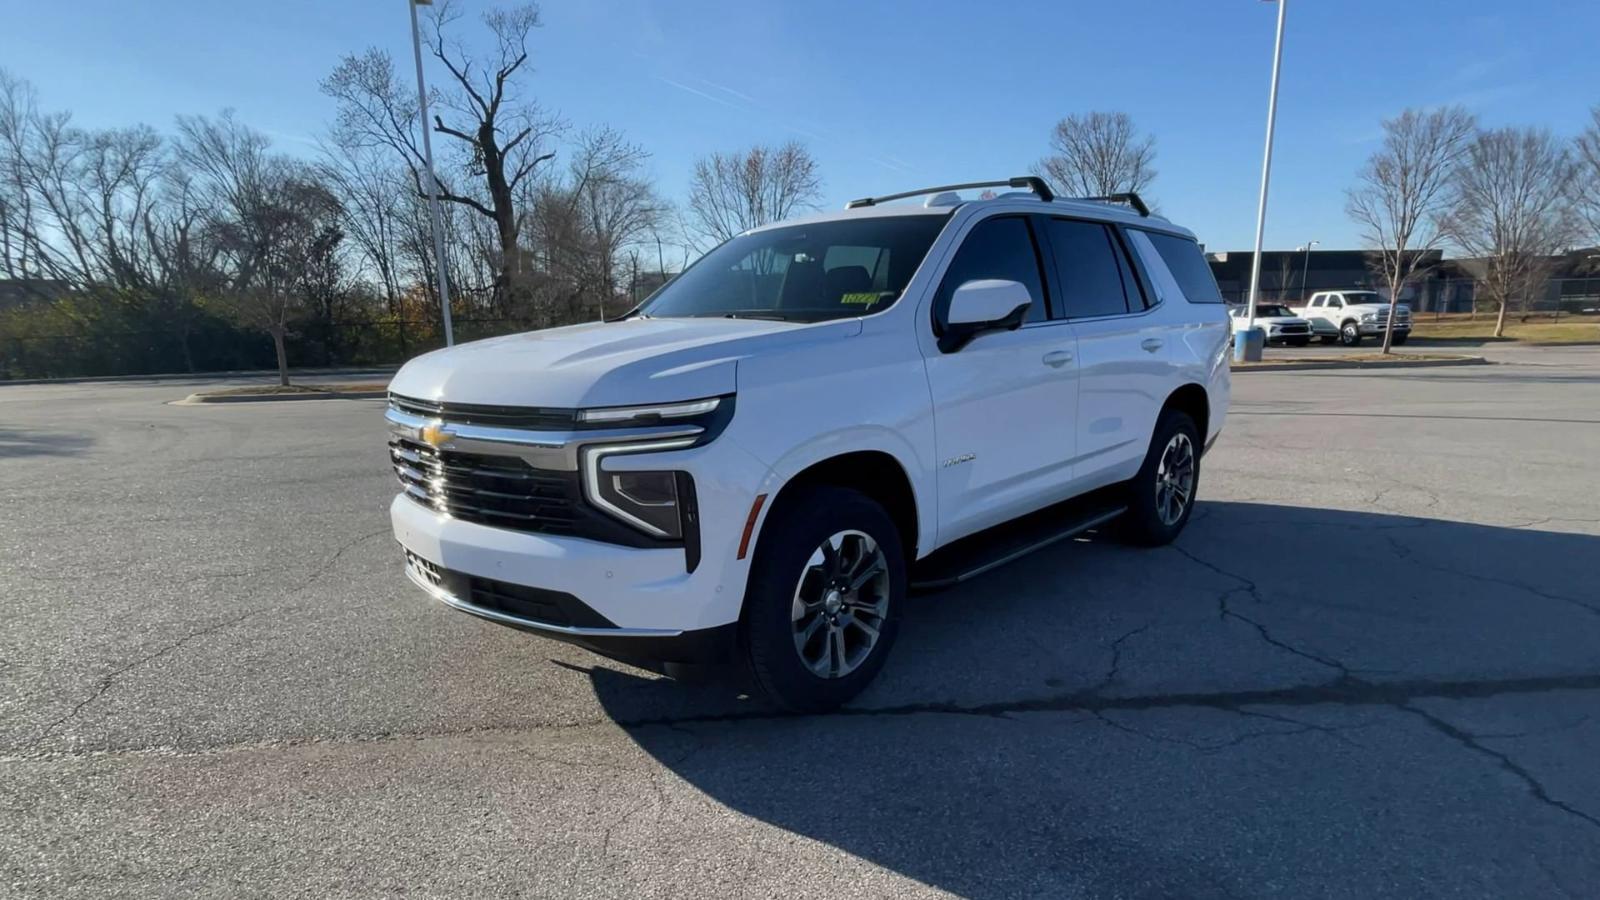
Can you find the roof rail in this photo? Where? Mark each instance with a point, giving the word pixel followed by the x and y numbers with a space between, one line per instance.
pixel 1031 182
pixel 1131 198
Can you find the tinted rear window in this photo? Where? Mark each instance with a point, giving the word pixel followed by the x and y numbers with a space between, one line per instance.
pixel 1188 265
pixel 1086 266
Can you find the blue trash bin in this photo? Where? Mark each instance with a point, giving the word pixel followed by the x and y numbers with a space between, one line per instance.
pixel 1247 344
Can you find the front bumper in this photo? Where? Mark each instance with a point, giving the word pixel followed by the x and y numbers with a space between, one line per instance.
pixel 645 592
pixel 644 646
pixel 1370 329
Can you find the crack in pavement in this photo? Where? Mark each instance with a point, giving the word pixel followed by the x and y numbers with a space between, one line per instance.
pixel 1115 666
pixel 1347 679
pixel 1248 586
pixel 329 563
pixel 106 682
pixel 1403 552
pixel 1474 742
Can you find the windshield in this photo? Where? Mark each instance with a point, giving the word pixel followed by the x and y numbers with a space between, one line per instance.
pixel 1263 311
pixel 803 273
pixel 1351 299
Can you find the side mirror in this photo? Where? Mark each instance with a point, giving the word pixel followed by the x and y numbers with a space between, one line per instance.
pixel 986 304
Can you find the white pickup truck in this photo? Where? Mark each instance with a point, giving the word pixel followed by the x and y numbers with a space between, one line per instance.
pixel 757 463
pixel 1349 316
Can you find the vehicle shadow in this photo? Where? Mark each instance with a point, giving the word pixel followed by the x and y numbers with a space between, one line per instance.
pixel 1187 721
pixel 18 443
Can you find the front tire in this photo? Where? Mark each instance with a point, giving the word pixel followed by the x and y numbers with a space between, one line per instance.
pixel 1299 341
pixel 1161 497
pixel 823 605
pixel 1399 338
pixel 1350 335
pixel 1328 338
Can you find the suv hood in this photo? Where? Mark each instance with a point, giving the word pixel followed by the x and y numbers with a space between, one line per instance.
pixel 622 363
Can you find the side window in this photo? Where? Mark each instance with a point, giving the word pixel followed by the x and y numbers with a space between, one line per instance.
pixel 1316 301
pixel 995 248
pixel 1087 269
pixel 1335 303
pixel 1187 265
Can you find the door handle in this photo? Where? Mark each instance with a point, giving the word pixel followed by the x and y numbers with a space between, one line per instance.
pixel 1152 344
pixel 1055 359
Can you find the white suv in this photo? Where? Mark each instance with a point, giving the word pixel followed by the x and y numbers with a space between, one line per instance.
pixel 757 464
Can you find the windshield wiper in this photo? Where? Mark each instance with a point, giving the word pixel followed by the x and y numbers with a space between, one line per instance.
pixel 773 317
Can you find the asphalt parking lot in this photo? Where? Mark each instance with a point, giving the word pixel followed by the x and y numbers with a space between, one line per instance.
pixel 1369 668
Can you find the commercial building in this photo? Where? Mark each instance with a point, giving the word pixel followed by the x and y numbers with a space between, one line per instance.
pixel 1572 282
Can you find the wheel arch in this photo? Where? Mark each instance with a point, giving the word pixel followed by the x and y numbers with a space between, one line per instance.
pixel 1192 400
pixel 876 473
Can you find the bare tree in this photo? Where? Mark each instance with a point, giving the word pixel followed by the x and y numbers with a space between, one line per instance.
pixel 73 202
pixel 275 225
pixel 501 136
pixel 1586 180
pixel 617 205
pixel 1099 153
pixel 730 193
pixel 372 197
pixel 1403 192
pixel 1511 207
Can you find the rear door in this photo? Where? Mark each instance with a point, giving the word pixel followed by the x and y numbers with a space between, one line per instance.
pixel 1004 404
pixel 1122 332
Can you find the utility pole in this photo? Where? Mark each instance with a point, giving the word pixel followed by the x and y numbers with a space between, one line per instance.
pixel 433 180
pixel 1305 272
pixel 1266 167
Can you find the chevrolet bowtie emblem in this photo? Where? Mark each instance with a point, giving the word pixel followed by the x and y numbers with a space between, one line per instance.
pixel 435 434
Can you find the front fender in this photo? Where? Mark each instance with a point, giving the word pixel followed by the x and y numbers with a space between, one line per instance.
pixel 856 439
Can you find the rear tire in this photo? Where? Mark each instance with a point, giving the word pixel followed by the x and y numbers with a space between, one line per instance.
pixel 1329 338
pixel 812 641
pixel 1350 334
pixel 1161 497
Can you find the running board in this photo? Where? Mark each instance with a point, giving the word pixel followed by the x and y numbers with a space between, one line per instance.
pixel 990 549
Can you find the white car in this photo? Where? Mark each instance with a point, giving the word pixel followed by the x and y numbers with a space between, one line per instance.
pixel 1349 316
pixel 757 464
pixel 1280 323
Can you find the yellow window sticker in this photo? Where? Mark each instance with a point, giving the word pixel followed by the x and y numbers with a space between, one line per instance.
pixel 866 299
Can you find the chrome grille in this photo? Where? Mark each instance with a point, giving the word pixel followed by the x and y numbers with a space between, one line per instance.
pixel 538 418
pixel 500 491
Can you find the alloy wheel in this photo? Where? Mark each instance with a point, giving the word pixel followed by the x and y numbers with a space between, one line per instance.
pixel 1175 479
pixel 840 604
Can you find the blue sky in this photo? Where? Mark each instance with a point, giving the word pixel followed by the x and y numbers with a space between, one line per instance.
pixel 887 95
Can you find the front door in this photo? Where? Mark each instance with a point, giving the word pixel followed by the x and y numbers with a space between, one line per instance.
pixel 1004 404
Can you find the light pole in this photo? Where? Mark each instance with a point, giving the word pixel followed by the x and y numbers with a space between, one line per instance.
pixel 1305 271
pixel 1266 168
pixel 433 180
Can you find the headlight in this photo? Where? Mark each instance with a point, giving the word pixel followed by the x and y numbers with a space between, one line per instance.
pixel 655 502
pixel 647 415
pixel 646 499
pixel 1369 317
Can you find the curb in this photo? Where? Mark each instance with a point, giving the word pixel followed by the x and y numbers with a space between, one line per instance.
pixel 201 399
pixel 203 376
pixel 1366 364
